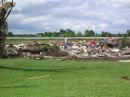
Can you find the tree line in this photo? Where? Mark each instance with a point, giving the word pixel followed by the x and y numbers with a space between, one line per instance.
pixel 71 33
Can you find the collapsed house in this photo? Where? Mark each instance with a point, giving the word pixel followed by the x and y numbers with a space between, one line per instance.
pixel 39 51
pixel 79 50
pixel 98 50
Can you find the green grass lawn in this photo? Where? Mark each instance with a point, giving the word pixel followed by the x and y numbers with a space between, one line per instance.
pixel 65 78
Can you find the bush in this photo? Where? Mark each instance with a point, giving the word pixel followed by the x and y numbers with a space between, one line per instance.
pixel 53 50
pixel 124 42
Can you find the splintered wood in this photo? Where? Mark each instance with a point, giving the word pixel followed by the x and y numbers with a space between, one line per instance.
pixel 37 77
pixel 6 5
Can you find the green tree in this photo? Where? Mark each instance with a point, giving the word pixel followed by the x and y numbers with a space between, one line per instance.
pixel 128 32
pixel 55 34
pixel 89 33
pixel 119 35
pixel 62 31
pixel 40 34
pixel 79 34
pixel 47 34
pixel 10 34
pixel 69 33
pixel 106 34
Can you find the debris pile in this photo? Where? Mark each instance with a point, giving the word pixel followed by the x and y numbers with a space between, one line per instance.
pixel 94 49
pixel 76 50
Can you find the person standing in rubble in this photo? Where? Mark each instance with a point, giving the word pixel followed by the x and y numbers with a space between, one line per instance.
pixel 110 42
pixel 65 42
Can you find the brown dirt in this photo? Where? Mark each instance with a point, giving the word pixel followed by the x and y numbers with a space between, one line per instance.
pixel 125 78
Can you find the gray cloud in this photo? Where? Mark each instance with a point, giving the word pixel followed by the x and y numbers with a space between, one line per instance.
pixel 52 15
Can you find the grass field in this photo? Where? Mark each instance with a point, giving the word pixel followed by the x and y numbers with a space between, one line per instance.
pixel 63 78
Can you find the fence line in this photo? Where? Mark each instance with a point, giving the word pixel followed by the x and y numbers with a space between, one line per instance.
pixel 58 38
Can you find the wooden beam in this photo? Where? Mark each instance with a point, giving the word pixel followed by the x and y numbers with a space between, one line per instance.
pixel 37 77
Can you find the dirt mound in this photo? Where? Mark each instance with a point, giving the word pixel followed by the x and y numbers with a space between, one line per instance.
pixel 125 78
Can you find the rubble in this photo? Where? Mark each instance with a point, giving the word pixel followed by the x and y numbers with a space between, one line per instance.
pixel 97 50
pixel 79 50
pixel 124 61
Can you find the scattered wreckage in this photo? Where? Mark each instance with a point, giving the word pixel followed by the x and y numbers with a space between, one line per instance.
pixel 74 51
pixel 34 51
pixel 98 52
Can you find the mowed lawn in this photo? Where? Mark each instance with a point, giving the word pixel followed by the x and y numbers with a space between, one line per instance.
pixel 54 78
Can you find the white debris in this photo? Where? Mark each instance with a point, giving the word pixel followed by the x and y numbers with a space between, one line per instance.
pixel 124 60
pixel 115 50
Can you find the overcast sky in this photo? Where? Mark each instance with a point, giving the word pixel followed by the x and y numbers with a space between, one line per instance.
pixel 33 16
